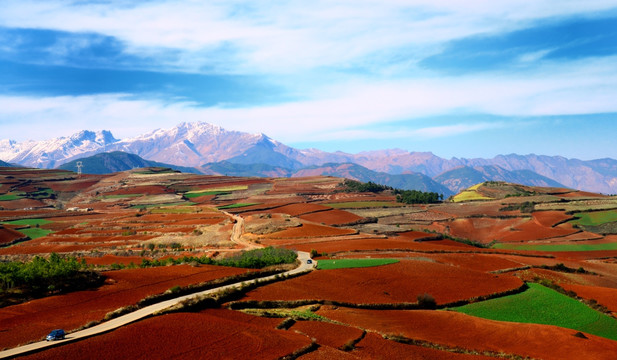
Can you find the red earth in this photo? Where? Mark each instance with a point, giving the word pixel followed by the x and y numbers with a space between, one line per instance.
pixel 211 334
pixel 395 283
pixel 332 217
pixel 327 334
pixel 33 320
pixel 452 329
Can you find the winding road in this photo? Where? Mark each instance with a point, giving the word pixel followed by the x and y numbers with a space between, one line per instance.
pixel 110 325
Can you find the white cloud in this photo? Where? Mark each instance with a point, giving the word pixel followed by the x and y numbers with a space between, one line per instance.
pixel 275 37
pixel 342 110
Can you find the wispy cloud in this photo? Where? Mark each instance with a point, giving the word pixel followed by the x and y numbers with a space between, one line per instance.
pixel 285 36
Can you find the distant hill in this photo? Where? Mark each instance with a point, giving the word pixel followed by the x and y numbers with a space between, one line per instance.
pixel 234 169
pixel 465 176
pixel 197 143
pixel 5 164
pixel 414 181
pixel 116 161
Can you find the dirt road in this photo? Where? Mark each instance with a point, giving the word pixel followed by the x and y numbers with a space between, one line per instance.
pixel 110 325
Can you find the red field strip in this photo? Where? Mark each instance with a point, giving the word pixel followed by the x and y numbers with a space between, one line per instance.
pixel 185 336
pixel 395 283
pixel 34 319
pixel 459 330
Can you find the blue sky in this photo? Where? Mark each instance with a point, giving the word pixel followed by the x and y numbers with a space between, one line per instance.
pixel 471 78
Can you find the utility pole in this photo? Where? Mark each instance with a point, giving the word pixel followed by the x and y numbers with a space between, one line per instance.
pixel 79 166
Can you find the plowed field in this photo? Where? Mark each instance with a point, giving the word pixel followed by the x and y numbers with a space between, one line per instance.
pixel 395 283
pixel 33 320
pixel 205 335
pixel 458 330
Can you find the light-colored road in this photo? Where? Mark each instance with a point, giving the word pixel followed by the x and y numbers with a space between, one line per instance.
pixel 110 325
pixel 238 230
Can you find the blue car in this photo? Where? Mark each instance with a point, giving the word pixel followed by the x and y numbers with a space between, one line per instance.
pixel 57 334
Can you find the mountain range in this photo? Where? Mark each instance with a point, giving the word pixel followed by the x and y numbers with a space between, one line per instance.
pixel 211 149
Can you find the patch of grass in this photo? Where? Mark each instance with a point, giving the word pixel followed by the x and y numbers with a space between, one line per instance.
pixel 469 195
pixel 34 233
pixel 32 222
pixel 573 247
pixel 12 196
pixel 234 206
pixel 147 206
pixel 541 305
pixel 363 204
pixel 352 263
pixel 595 218
pixel 190 195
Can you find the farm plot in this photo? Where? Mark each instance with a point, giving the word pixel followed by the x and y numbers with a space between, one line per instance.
pixel 395 283
pixel 456 330
pixel 541 305
pixel 603 295
pixel 329 264
pixel 32 320
pixel 332 217
pixel 205 335
pixel 327 334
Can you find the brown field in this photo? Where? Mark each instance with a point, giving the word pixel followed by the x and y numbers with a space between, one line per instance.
pixel 212 334
pixel 331 217
pixel 396 283
pixel 294 213
pixel 32 320
pixel 453 329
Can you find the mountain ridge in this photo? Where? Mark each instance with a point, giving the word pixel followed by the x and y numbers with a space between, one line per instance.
pixel 199 143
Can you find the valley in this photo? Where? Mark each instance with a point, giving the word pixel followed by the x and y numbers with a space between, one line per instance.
pixel 395 280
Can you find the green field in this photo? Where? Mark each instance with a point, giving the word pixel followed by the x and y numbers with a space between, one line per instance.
pixel 234 206
pixel 352 263
pixel 10 197
pixel 190 195
pixel 541 305
pixel 363 204
pixel 595 218
pixel 573 247
pixel 35 232
pixel 32 222
pixel 147 206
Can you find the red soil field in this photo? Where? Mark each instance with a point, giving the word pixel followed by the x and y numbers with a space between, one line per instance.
pixel 9 235
pixel 373 346
pixel 327 334
pixel 21 204
pixel 394 283
pixel 361 243
pixel 298 209
pixel 185 336
pixel 142 189
pixel 332 217
pixel 580 194
pixel 310 230
pixel 531 230
pixel 550 218
pixel 483 230
pixel 326 352
pixel 34 319
pixel 459 330
pixel 604 296
pixel 478 262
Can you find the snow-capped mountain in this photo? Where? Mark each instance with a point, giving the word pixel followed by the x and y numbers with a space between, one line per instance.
pixel 197 144
pixel 54 152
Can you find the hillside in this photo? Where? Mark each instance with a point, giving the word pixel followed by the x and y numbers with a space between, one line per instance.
pixel 199 143
pixel 116 161
pixel 465 176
